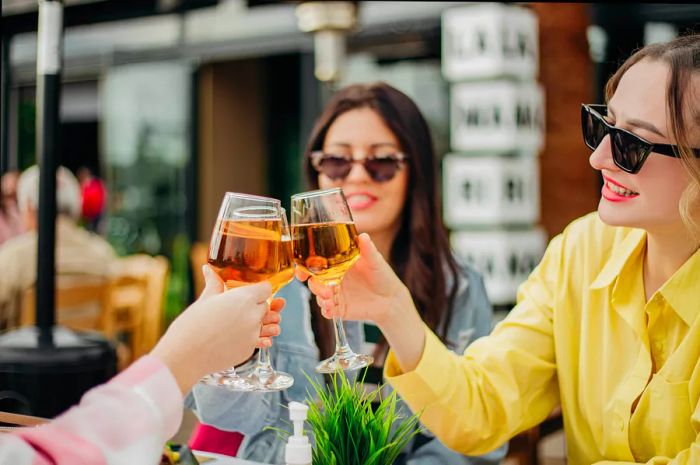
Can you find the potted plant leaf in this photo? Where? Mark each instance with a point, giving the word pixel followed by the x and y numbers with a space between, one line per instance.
pixel 350 428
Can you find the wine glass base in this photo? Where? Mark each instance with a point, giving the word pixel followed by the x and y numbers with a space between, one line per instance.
pixel 227 380
pixel 275 381
pixel 349 362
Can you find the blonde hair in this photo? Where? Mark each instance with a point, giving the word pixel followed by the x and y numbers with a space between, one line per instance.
pixel 683 58
pixel 68 197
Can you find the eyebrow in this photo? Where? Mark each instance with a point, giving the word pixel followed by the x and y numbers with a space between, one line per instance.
pixel 648 126
pixel 373 146
pixel 639 124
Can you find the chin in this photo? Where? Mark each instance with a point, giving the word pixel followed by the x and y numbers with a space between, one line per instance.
pixel 375 220
pixel 369 227
pixel 365 222
pixel 630 219
pixel 612 216
pixel 364 227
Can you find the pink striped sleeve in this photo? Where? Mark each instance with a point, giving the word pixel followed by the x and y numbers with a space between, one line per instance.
pixel 125 421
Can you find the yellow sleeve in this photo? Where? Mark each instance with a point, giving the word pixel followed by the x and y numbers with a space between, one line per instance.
pixel 503 384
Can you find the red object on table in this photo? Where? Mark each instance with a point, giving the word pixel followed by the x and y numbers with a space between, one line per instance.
pixel 207 438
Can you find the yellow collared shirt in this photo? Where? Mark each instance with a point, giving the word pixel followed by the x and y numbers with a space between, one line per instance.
pixel 625 371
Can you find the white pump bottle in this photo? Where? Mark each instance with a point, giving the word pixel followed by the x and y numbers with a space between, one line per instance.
pixel 298 448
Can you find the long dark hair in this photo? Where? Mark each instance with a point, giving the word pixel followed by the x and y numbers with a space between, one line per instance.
pixel 420 253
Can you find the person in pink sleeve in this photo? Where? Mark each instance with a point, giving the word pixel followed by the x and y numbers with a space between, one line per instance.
pixel 127 420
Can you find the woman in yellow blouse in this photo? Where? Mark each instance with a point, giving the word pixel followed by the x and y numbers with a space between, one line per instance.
pixel 607 325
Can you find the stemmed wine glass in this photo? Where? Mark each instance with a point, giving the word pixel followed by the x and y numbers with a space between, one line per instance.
pixel 264 378
pixel 325 245
pixel 247 246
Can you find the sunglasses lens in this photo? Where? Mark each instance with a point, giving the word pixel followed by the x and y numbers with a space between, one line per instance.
pixel 628 151
pixel 382 169
pixel 335 167
pixel 593 129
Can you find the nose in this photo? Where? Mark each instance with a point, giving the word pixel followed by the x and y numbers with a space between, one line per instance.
pixel 357 172
pixel 601 158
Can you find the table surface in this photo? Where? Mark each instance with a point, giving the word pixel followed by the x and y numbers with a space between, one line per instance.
pixel 219 459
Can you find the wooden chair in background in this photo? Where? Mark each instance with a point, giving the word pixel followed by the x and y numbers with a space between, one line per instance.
pixel 124 312
pixel 199 254
pixel 128 305
pixel 155 272
pixel 80 302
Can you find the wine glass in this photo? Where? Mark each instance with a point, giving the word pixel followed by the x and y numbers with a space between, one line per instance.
pixel 325 245
pixel 264 378
pixel 246 248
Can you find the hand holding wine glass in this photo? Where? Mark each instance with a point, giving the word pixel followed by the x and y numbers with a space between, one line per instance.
pixel 370 287
pixel 220 329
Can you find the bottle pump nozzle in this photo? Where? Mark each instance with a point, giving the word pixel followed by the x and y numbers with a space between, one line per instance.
pixel 298 449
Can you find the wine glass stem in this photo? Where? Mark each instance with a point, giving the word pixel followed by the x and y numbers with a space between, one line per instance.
pixel 263 368
pixel 342 348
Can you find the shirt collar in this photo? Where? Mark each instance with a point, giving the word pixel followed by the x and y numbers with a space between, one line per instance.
pixel 620 255
pixel 682 290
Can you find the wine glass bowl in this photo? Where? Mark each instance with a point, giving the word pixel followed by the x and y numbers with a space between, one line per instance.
pixel 326 250
pixel 244 250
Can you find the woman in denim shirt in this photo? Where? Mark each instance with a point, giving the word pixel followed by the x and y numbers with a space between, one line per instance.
pixel 373 142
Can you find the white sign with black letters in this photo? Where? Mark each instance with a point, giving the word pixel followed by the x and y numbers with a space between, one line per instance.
pixel 498 116
pixel 489 40
pixel 490 190
pixel 505 258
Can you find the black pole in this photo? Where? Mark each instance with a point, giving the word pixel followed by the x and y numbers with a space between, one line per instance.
pixel 5 103
pixel 47 98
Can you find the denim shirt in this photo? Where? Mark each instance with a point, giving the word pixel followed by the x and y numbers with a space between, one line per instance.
pixel 295 352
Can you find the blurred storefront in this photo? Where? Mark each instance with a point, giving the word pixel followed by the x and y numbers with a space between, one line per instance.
pixel 174 102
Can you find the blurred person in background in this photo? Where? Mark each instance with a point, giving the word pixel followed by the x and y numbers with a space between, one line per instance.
pixel 94 195
pixel 372 141
pixel 10 220
pixel 607 326
pixel 128 420
pixel 78 252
